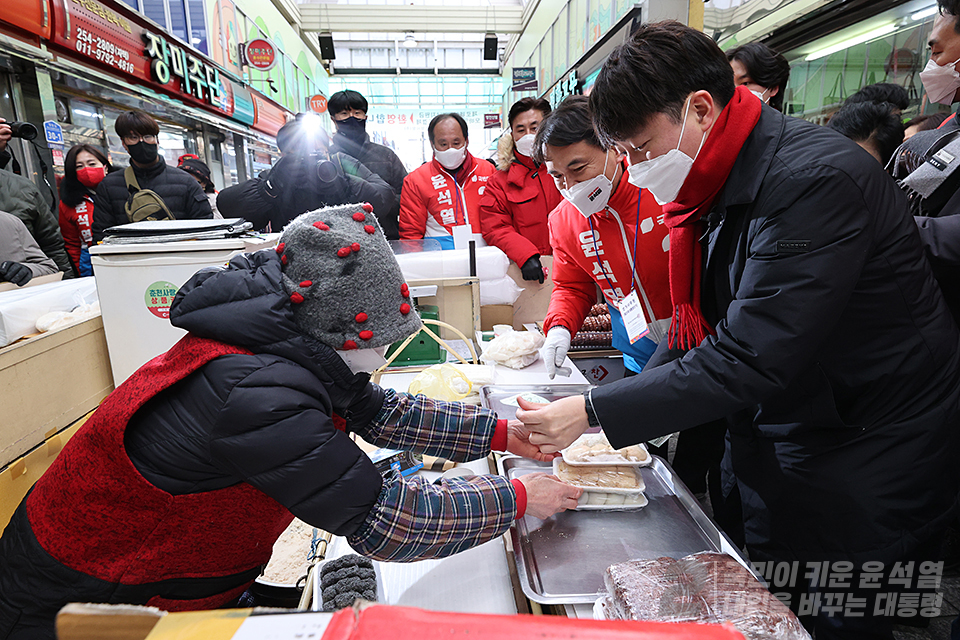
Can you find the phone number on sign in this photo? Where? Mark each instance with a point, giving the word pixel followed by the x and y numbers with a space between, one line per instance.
pixel 103 50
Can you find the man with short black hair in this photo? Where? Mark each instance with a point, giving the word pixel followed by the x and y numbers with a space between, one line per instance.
pixel 445 192
pixel 804 314
pixel 875 126
pixel 179 191
pixel 348 110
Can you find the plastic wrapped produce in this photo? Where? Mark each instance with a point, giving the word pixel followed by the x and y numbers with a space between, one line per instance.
pixel 609 477
pixel 594 449
pixel 514 349
pixel 441 382
pixel 704 587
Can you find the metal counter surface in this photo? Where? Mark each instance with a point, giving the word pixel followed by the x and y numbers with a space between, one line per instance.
pixel 561 560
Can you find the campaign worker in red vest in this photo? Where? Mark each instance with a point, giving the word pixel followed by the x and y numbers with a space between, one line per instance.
pixel 84 168
pixel 445 192
pixel 173 493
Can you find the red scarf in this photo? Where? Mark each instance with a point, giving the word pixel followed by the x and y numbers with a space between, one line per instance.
pixel 682 216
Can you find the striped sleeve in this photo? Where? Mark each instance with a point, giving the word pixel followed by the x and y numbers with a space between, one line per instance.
pixel 451 430
pixel 416 520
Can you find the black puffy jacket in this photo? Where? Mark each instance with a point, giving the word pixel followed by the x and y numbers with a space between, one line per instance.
pixel 267 199
pixel 21 197
pixel 180 192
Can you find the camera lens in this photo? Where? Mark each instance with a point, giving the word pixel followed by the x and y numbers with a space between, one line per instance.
pixel 23 130
pixel 326 171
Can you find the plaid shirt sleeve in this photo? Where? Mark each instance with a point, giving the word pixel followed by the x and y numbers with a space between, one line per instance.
pixel 416 520
pixel 450 430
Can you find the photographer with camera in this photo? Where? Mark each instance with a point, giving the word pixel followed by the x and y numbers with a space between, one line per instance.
pixel 306 177
pixel 21 197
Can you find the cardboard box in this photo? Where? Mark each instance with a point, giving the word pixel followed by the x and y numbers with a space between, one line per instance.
pixel 17 477
pixel 48 382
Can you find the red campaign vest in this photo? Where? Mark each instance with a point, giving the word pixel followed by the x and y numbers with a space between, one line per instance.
pixel 93 511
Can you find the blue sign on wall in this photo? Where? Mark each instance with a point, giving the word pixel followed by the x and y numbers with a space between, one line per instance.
pixel 53 132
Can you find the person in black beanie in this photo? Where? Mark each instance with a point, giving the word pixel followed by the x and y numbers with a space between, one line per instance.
pixel 309 174
pixel 201 173
pixel 348 110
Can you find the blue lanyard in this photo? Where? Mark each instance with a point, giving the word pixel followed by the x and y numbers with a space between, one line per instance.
pixel 596 248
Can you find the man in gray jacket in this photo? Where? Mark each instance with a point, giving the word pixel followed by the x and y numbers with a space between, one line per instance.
pixel 20 256
pixel 21 197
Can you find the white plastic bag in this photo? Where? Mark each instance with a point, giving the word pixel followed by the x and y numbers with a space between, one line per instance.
pixel 514 349
pixel 20 309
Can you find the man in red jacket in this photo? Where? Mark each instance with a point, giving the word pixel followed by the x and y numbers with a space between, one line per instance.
pixel 513 211
pixel 445 192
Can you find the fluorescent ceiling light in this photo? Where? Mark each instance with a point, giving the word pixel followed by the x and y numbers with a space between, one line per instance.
pixel 846 44
pixel 926 13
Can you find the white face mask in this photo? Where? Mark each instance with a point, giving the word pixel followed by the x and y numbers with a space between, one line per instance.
pixel 761 94
pixel 940 81
pixel 451 158
pixel 364 360
pixel 525 144
pixel 591 196
pixel 664 175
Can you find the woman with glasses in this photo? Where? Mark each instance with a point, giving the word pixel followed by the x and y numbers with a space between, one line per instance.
pixel 180 192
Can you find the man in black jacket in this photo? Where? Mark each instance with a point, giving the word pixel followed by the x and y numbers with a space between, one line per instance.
pixel 348 110
pixel 805 315
pixel 178 189
pixel 309 175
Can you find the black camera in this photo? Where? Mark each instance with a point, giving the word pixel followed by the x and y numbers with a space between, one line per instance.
pixel 23 130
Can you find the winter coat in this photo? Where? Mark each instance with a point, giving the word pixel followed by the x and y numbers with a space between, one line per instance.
pixel 267 420
pixel 514 209
pixel 76 225
pixel 938 217
pixel 835 359
pixel 179 190
pixel 580 266
pixel 382 161
pixel 434 201
pixel 252 201
pixel 17 245
pixel 21 197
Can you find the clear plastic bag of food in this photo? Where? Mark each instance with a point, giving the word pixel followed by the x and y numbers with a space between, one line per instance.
pixel 441 382
pixel 514 349
pixel 593 449
pixel 613 479
pixel 703 587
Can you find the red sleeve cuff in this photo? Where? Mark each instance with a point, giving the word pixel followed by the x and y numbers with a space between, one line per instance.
pixel 521 497
pixel 499 440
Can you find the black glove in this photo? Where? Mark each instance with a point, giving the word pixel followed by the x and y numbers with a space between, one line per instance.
pixel 15 272
pixel 285 174
pixel 532 269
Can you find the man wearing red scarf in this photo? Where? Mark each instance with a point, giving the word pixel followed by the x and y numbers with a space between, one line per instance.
pixel 805 316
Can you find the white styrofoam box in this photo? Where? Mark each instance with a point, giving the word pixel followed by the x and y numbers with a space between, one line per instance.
pixel 137 283
pixel 492 264
pixel 20 309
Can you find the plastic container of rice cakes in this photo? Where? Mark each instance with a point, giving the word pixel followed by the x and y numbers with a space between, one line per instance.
pixel 604 488
pixel 594 450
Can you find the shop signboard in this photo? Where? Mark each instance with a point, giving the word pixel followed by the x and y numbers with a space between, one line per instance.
pixel 317 103
pixel 29 15
pixel 567 86
pixel 259 53
pixel 525 79
pixel 491 121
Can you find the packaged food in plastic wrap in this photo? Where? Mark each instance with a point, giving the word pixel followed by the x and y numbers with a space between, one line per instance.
pixel 703 587
pixel 514 349
pixel 592 449
pixel 441 382
pixel 609 478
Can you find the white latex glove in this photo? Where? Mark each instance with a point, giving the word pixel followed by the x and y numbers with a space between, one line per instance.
pixel 555 348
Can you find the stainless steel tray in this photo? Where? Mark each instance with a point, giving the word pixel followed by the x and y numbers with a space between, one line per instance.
pixel 492 396
pixel 561 560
